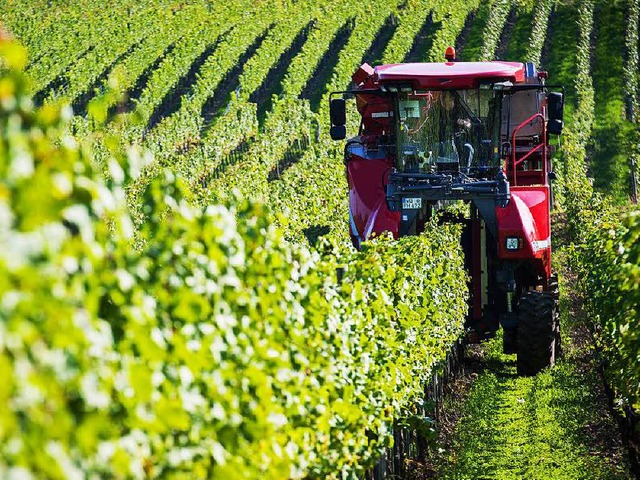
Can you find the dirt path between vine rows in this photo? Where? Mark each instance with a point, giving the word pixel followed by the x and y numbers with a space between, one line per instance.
pixel 556 425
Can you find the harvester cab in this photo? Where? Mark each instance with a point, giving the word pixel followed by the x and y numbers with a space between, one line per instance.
pixel 478 132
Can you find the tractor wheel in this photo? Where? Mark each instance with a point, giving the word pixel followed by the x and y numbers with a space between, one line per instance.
pixel 538 331
pixel 509 340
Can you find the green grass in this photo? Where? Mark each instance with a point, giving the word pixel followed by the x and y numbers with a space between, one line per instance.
pixel 519 41
pixel 560 60
pixel 472 50
pixel 613 134
pixel 551 426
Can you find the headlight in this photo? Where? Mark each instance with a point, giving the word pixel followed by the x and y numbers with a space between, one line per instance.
pixel 514 243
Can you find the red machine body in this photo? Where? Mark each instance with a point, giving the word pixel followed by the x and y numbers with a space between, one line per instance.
pixel 526 217
pixel 432 133
pixel 449 75
pixel 368 212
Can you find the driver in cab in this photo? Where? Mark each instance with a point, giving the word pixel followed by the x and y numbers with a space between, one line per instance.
pixel 435 123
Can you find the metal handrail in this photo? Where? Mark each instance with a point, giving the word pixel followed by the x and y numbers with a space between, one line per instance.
pixel 541 146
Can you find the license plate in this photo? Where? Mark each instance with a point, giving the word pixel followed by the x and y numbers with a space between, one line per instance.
pixel 411 203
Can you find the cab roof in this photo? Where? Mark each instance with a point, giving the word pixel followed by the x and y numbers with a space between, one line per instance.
pixel 448 75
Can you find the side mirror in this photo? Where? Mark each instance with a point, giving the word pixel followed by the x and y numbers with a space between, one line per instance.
pixel 338 132
pixel 555 102
pixel 554 127
pixel 338 115
pixel 338 111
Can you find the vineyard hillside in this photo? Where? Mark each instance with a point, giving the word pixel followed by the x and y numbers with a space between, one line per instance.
pixel 179 296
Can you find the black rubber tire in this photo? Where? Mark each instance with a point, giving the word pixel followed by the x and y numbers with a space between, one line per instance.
pixel 509 341
pixel 538 332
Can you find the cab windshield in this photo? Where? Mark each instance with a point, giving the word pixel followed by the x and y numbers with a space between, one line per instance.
pixel 448 131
